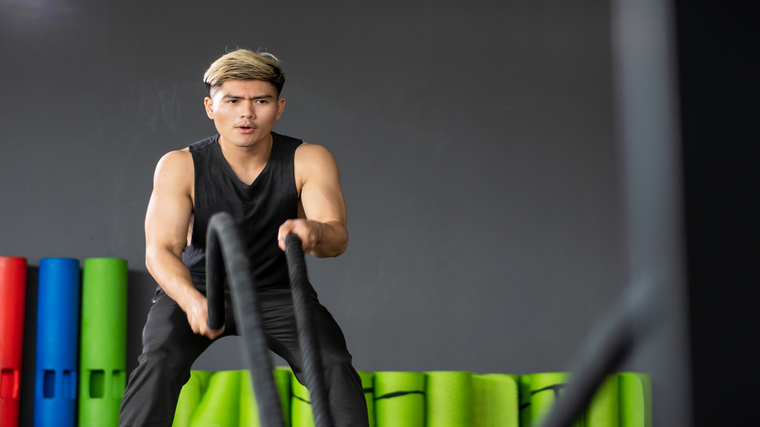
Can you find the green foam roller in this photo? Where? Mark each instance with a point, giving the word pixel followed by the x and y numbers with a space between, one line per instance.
pixel 448 399
pixel 646 381
pixel 368 379
pixel 399 399
pixel 603 411
pixel 300 405
pixel 103 345
pixel 283 379
pixel 635 400
pixel 523 384
pixel 220 405
pixel 249 410
pixel 300 409
pixel 545 388
pixel 190 396
pixel 495 401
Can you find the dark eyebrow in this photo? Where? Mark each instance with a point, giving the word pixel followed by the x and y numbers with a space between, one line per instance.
pixel 231 96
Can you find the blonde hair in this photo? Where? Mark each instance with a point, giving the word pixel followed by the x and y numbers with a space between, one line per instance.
pixel 243 64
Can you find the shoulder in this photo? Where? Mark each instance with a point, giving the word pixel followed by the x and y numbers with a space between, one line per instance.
pixel 314 163
pixel 312 155
pixel 176 159
pixel 175 167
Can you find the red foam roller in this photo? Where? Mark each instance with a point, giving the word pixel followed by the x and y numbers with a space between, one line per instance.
pixel 12 297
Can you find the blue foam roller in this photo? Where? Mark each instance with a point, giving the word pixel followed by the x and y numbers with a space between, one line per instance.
pixel 57 343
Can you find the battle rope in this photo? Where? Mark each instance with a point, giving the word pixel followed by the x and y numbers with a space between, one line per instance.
pixel 610 344
pixel 224 246
pixel 307 336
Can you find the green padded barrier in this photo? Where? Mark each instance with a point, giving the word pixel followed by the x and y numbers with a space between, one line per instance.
pixel 190 396
pixel 399 399
pixel 635 400
pixel 300 406
pixel 495 401
pixel 103 348
pixel 368 379
pixel 603 411
pixel 544 390
pixel 448 399
pixel 220 405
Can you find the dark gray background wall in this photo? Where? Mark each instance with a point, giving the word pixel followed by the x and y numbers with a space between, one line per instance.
pixel 475 143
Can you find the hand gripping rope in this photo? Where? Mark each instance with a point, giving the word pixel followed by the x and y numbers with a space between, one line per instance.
pixel 224 239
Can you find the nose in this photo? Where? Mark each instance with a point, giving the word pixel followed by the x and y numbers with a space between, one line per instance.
pixel 248 111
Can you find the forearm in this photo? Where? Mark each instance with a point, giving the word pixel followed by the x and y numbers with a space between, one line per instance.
pixel 332 239
pixel 173 276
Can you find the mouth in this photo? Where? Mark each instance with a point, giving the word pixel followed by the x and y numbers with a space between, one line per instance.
pixel 246 128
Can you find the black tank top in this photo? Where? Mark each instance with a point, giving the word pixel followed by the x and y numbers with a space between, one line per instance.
pixel 259 208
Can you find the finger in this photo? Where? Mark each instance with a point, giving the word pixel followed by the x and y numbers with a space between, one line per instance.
pixel 214 333
pixel 286 228
pixel 303 231
pixel 193 325
pixel 199 328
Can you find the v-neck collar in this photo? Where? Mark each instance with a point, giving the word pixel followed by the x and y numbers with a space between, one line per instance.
pixel 228 168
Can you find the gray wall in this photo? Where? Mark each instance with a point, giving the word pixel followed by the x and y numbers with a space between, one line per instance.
pixel 475 144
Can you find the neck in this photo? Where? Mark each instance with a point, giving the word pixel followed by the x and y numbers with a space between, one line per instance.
pixel 247 161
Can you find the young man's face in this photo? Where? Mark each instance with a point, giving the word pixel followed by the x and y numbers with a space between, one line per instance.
pixel 244 111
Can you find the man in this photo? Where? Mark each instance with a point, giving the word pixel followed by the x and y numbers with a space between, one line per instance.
pixel 273 185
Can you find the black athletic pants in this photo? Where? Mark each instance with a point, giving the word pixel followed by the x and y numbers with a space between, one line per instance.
pixel 170 347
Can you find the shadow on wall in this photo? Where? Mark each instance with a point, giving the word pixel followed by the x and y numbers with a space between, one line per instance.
pixel 140 290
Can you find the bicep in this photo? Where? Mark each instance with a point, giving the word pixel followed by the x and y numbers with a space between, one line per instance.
pixel 170 206
pixel 321 195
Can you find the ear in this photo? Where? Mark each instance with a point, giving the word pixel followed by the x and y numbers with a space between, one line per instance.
pixel 208 103
pixel 280 107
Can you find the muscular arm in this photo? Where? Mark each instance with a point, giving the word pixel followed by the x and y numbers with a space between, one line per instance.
pixel 323 230
pixel 166 225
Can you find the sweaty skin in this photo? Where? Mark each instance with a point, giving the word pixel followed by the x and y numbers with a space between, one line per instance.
pixel 244 113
